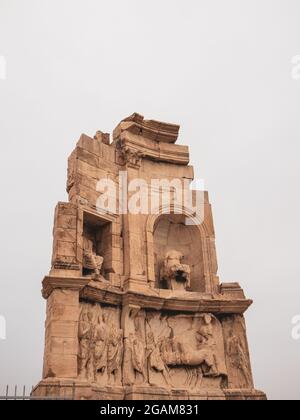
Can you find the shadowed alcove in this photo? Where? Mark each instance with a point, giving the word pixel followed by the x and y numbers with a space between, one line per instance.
pixel 171 233
pixel 97 231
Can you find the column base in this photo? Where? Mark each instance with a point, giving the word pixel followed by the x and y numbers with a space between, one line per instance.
pixel 77 390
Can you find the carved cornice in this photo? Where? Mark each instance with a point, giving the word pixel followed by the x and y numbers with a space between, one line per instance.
pixel 136 140
pixel 232 290
pixel 149 129
pixel 51 283
pixel 149 149
pixel 193 304
pixel 155 299
pixel 109 295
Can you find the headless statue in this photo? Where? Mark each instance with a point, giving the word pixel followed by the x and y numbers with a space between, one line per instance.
pixel 176 275
pixel 91 261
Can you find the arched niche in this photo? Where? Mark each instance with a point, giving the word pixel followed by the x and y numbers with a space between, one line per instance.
pixel 165 232
pixel 171 233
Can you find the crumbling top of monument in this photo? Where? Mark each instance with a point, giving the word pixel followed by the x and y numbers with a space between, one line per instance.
pixel 149 129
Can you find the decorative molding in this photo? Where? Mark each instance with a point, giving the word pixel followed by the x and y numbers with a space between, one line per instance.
pixel 190 302
pixel 107 295
pixel 232 290
pixel 150 149
pixel 157 299
pixel 52 283
pixel 149 129
pixel 129 156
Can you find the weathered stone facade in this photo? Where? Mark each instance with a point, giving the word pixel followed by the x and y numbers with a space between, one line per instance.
pixel 135 309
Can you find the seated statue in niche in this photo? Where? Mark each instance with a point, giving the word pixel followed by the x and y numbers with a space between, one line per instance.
pixel 91 261
pixel 176 275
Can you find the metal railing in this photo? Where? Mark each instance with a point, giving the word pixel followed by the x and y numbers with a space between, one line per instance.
pixel 64 393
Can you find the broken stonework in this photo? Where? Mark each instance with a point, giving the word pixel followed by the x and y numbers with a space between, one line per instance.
pixel 135 308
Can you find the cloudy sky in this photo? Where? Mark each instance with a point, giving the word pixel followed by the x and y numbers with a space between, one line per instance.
pixel 220 68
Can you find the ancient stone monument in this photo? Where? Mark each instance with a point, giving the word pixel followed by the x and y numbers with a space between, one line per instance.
pixel 135 309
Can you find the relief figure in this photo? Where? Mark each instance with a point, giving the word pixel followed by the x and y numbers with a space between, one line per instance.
pixel 115 357
pixel 155 359
pixel 238 357
pixel 100 347
pixel 85 339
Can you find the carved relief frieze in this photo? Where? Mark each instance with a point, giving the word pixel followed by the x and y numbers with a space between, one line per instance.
pixel 100 345
pixel 237 353
pixel 173 351
pixel 185 351
pixel 135 364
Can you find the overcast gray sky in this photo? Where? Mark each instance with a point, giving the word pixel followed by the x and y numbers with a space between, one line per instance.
pixel 221 69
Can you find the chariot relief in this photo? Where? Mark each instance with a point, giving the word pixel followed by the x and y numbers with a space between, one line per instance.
pixel 190 349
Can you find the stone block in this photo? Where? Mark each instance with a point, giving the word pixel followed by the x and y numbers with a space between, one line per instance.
pixel 63 312
pixel 89 144
pixel 65 235
pixel 85 156
pixel 62 329
pixel 67 249
pixel 63 297
pixel 62 346
pixel 61 366
pixel 66 221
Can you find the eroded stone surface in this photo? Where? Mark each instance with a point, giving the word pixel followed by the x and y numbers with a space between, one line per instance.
pixel 135 309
